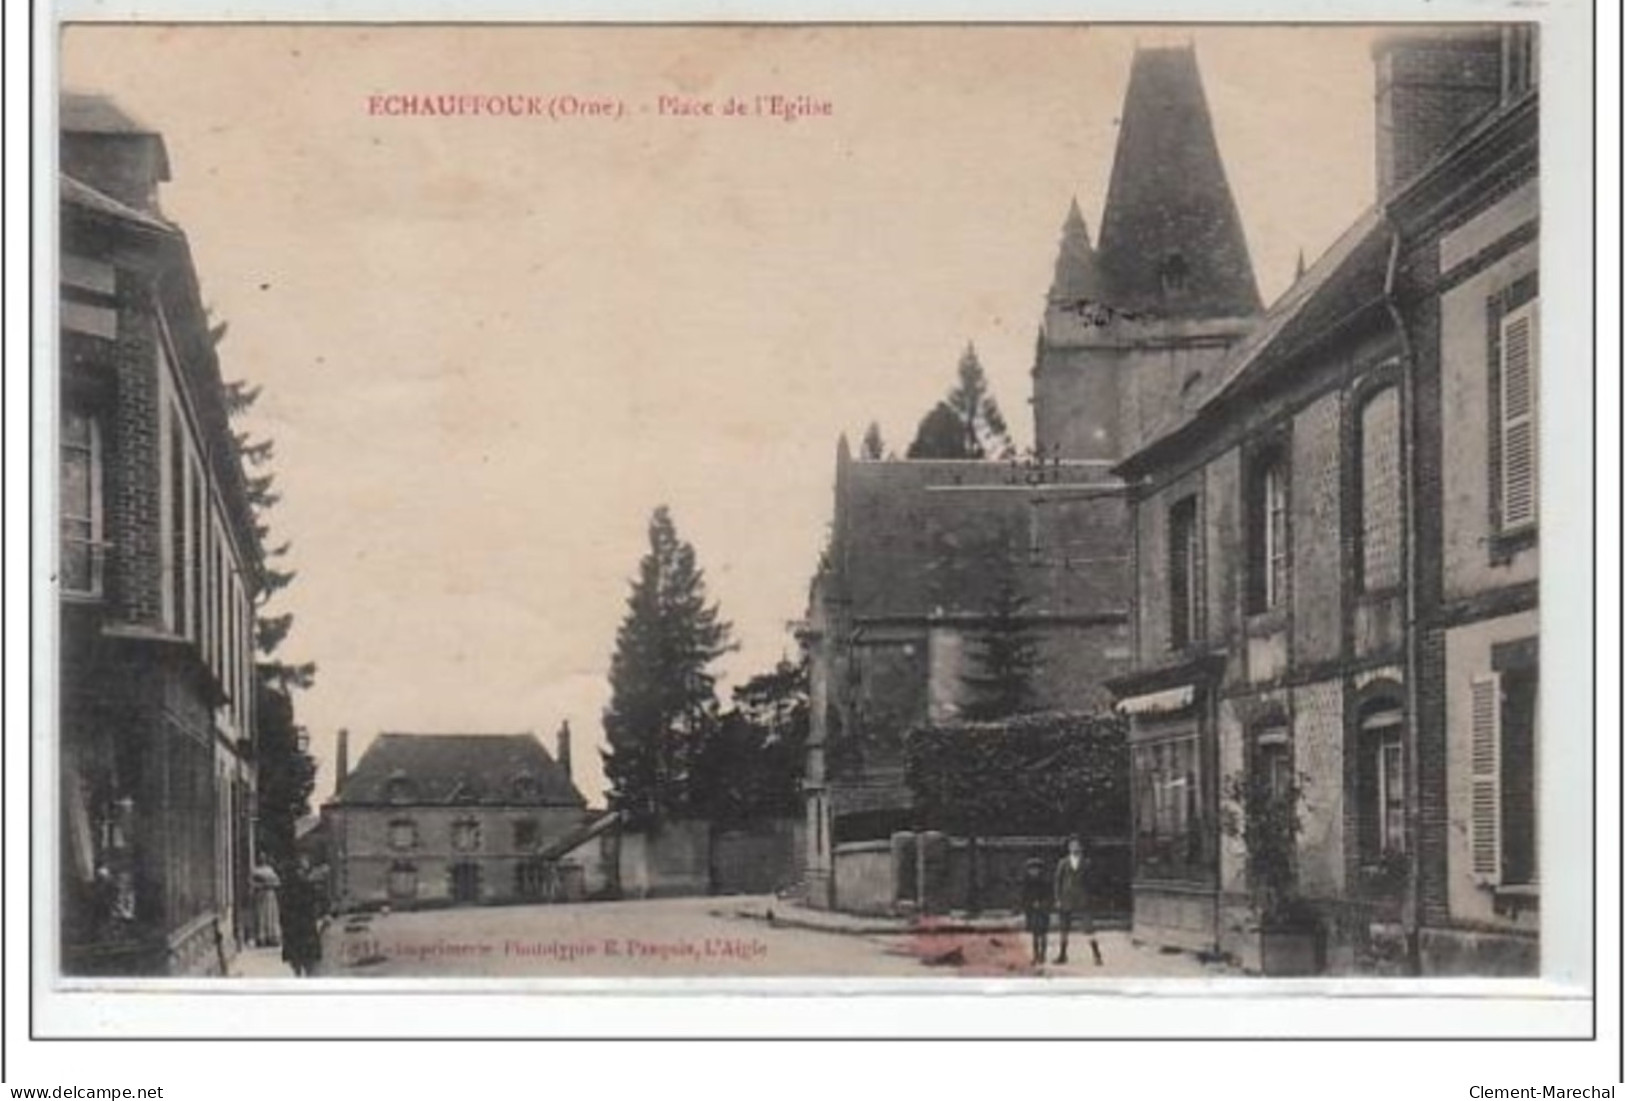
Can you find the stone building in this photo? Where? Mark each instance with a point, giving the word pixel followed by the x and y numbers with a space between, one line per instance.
pixel 1335 579
pixel 920 551
pixel 158 566
pixel 449 819
pixel 898 609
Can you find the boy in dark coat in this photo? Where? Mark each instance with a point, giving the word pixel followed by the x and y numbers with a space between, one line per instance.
pixel 1072 897
pixel 1035 904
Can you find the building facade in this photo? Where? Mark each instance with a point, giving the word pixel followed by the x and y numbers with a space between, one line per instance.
pixel 158 566
pixel 1329 587
pixel 919 548
pixel 1469 285
pixel 450 819
pixel 927 557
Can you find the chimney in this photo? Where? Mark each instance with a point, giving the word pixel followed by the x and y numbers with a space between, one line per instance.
pixel 1431 83
pixel 104 146
pixel 343 767
pixel 564 750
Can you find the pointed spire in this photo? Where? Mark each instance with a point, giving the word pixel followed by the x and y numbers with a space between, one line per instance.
pixel 1171 242
pixel 1298 274
pixel 1077 270
pixel 843 451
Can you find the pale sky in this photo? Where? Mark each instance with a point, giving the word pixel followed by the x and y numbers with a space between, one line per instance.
pixel 491 346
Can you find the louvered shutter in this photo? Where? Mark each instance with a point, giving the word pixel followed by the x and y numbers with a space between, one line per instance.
pixel 1520 356
pixel 1485 778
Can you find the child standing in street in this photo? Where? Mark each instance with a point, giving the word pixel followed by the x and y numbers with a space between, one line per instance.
pixel 1035 904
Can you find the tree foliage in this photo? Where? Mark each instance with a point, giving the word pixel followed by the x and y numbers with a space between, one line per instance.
pixel 287 773
pixel 1006 656
pixel 662 692
pixel 1264 814
pixel 968 423
pixel 1046 774
pixel 751 760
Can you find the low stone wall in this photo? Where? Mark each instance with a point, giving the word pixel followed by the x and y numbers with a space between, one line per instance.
pixel 758 858
pixel 864 883
pixel 672 859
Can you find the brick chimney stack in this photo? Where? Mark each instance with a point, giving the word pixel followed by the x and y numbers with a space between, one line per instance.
pixel 564 749
pixel 1431 83
pixel 342 769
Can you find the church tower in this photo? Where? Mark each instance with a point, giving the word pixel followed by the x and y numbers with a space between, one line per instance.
pixel 1130 327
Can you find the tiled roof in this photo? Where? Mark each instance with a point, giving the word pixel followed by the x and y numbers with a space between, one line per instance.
pixel 452 769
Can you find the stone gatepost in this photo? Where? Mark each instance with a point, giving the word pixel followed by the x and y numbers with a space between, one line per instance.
pixel 933 873
pixel 904 878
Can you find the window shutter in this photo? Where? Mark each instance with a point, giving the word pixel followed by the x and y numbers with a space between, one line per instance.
pixel 1485 778
pixel 1520 353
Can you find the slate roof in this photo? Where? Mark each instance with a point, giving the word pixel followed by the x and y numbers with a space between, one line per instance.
pixel 914 538
pixel 94 113
pixel 458 769
pixel 80 194
pixel 1077 268
pixel 1169 196
pixel 1349 275
pixel 593 827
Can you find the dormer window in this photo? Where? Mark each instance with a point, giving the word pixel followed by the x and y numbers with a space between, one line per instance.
pixel 525 788
pixel 399 789
pixel 1173 272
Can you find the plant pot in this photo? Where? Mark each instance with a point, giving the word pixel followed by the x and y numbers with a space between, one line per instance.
pixel 1288 952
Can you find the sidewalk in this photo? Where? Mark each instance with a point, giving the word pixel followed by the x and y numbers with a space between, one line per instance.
pixel 259 963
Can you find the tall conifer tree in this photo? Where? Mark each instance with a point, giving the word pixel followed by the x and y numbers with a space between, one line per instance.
pixel 662 692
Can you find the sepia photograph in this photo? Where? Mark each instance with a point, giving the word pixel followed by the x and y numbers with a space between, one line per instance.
pixel 1054 502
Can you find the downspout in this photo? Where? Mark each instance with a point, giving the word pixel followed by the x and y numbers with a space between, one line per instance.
pixel 1411 913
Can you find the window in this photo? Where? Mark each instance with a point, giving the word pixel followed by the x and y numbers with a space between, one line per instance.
pixel 1184 575
pixel 403 880
pixel 399 789
pixel 1267 562
pixel 1381 779
pixel 1170 831
pixel 1173 272
pixel 1518 374
pixel 403 834
pixel 1380 491
pixel 527 833
pixel 530 878
pixel 1272 759
pixel 465 835
pixel 194 550
pixel 1502 710
pixel 177 522
pixel 81 504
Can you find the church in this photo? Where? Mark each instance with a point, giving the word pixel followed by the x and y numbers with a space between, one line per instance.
pixel 1296 543
pixel 920 548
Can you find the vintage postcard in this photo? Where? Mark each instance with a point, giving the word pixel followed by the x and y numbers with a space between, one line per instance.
pixel 1055 503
